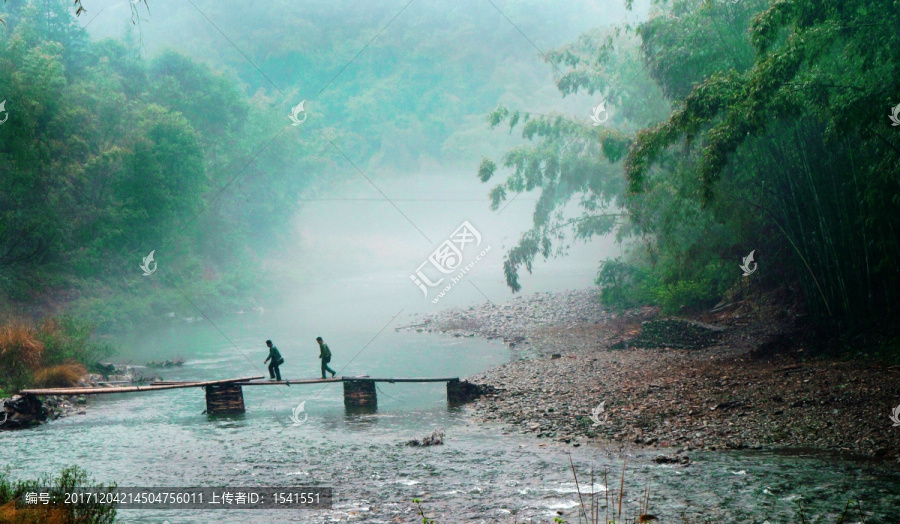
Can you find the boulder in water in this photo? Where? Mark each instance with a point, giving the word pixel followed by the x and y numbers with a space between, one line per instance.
pixel 435 439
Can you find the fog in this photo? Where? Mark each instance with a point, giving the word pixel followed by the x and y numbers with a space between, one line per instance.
pixel 359 234
pixel 351 254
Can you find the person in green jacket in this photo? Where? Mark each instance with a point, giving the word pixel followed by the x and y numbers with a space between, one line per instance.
pixel 274 373
pixel 325 355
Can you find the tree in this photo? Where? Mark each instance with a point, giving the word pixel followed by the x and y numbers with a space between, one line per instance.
pixel 821 83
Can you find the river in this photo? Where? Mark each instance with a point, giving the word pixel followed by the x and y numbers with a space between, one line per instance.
pixel 483 473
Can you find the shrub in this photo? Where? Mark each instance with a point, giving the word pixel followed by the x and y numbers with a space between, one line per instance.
pixel 623 285
pixel 67 339
pixel 61 376
pixel 89 511
pixel 702 288
pixel 20 353
pixel 62 345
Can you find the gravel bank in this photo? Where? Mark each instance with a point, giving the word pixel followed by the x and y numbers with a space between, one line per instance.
pixel 721 396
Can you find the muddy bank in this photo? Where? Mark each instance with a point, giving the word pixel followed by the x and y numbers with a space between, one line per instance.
pixel 19 412
pixel 691 383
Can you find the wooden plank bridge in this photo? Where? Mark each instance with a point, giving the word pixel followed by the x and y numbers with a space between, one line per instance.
pixel 227 396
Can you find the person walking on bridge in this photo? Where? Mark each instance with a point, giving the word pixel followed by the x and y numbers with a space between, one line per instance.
pixel 275 355
pixel 325 355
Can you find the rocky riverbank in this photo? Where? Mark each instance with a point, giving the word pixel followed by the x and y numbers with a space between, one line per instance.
pixel 732 379
pixel 18 412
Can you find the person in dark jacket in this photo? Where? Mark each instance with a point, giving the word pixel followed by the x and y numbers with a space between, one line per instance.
pixel 275 356
pixel 325 355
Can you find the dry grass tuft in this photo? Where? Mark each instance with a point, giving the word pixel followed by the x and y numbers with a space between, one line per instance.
pixel 19 344
pixel 21 353
pixel 34 515
pixel 62 376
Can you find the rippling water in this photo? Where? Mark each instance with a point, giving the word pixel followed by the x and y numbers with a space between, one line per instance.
pixel 482 473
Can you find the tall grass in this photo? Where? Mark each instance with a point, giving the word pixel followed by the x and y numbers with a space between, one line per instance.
pixel 84 512
pixel 612 509
pixel 613 504
pixel 58 351
pixel 21 354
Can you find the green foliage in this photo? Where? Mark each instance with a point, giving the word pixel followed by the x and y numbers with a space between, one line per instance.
pixel 106 157
pixel 804 127
pixel 778 142
pixel 626 285
pixel 623 285
pixel 567 159
pixel 697 291
pixel 26 351
pixel 69 339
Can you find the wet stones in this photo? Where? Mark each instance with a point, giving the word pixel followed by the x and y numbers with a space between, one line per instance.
pixel 22 411
pixel 459 392
pixel 673 333
pixel 672 459
pixel 435 439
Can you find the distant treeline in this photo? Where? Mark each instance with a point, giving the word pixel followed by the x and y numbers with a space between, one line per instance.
pixel 731 127
pixel 108 155
pixel 105 157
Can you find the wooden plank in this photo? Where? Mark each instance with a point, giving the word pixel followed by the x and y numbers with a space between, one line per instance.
pixel 130 389
pixel 345 379
pixel 282 382
pixel 369 379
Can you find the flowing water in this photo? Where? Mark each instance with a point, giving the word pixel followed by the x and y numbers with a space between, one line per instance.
pixel 482 473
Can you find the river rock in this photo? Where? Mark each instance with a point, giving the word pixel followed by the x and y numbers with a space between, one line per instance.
pixel 22 412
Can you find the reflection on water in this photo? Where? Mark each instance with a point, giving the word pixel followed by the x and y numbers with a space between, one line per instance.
pixel 481 473
pixel 357 413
